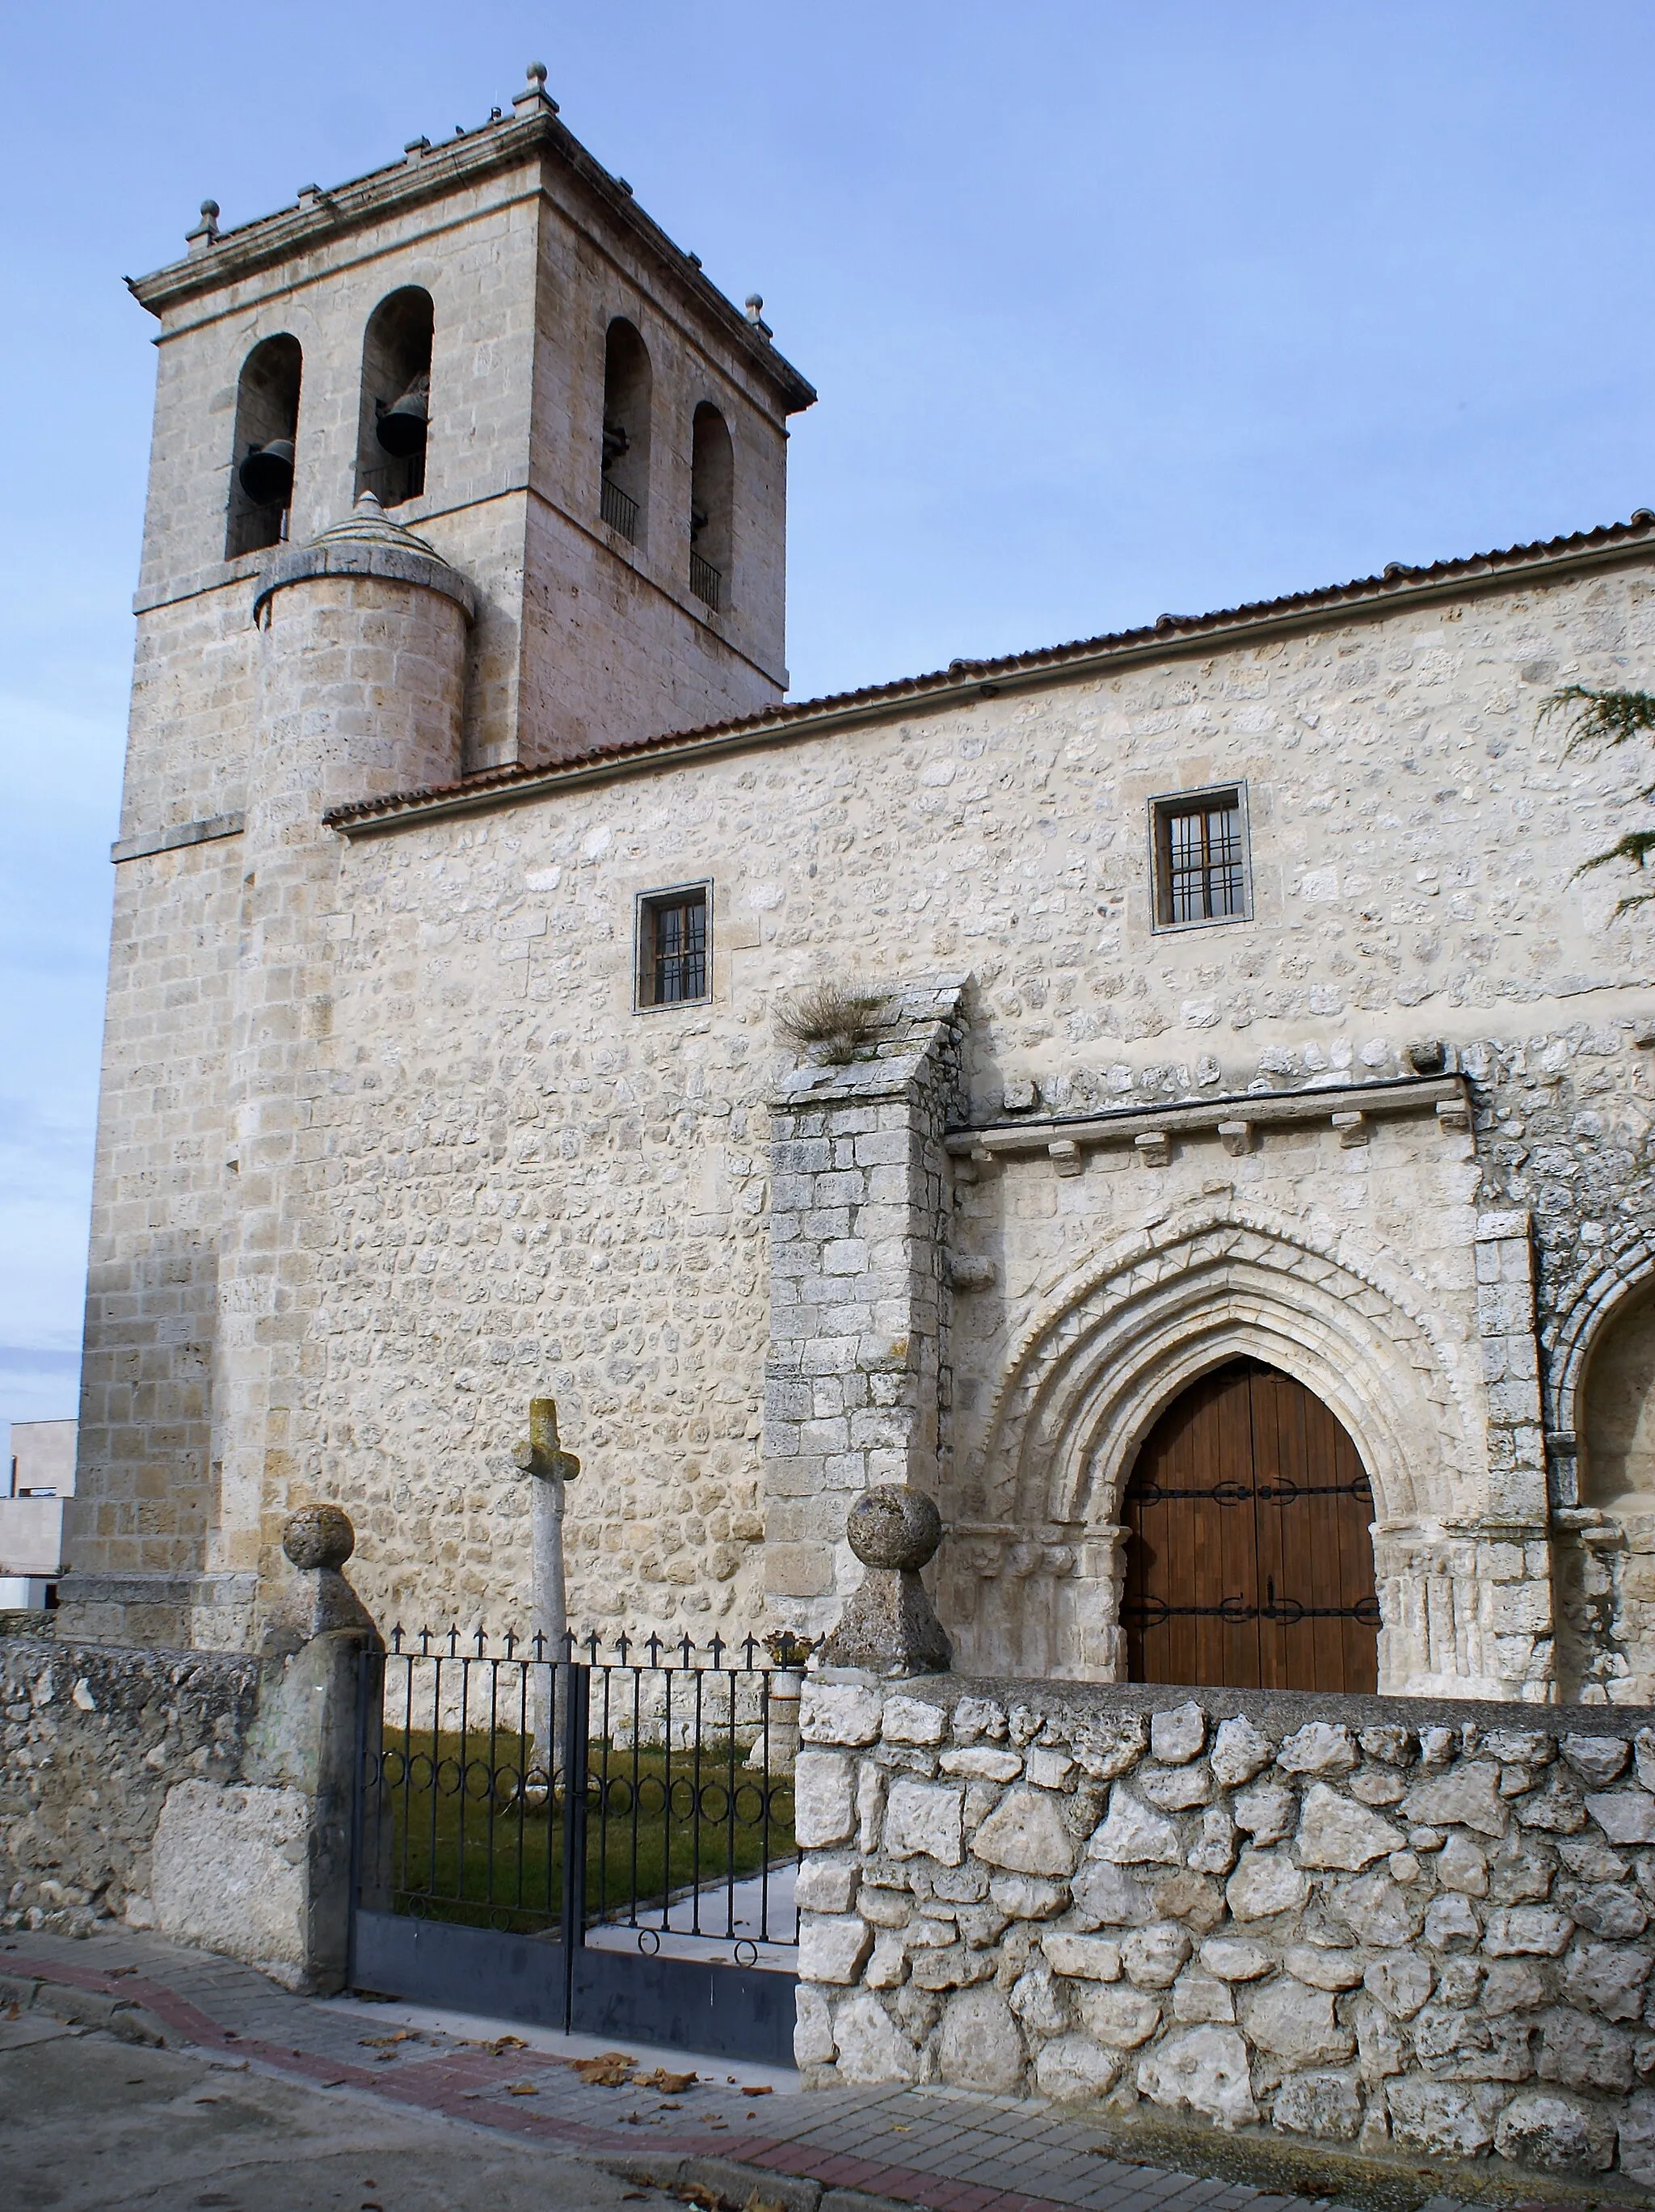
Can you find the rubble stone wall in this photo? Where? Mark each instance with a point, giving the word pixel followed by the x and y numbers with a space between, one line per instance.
pixel 91 1741
pixel 1418 1923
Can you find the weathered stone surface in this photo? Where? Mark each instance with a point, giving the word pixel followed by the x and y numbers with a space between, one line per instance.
pixel 1118 2015
pixel 1038 2001
pixel 1559 2132
pixel 977 1717
pixel 1173 1789
pixel 1204 2068
pixel 1072 2070
pixel 923 1819
pixel 1450 1920
pixel 839 1712
pixel 1239 1750
pixel 1517 1985
pixel 871 2047
pixel 1596 1758
pixel 1325 2105
pixel 1541 1929
pixel 910 1720
pixel 1618 1913
pixel 980 2047
pixel 983 1762
pixel 1466 1795
pixel 1190 1898
pixel 1321 1747
pixel 1625 1816
pixel 834 1950
pixel 1027 1896
pixel 1214 1849
pixel 1152 1956
pixel 1444 2122
pixel 1607 1978
pixel 1198 1997
pixel 1134 1834
pixel 1460 1865
pixel 1265 1882
pixel 826 1885
pixel 813 2030
pixel 887 1962
pixel 1234 1960
pixel 1177 1736
pixel 1025 1833
pixel 1556 1810
pixel 1088 1957
pixel 824 1799
pixel 1296 2024
pixel 1323 1969
pixel 1637 2129
pixel 1267 1812
pixel 1401 1981
pixel 1112 1744
pixel 1584 2053
pixel 1107 1896
pixel 228 1874
pixel 1334 1832
pixel 1379 1911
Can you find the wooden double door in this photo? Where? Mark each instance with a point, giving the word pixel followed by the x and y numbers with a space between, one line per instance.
pixel 1249 1564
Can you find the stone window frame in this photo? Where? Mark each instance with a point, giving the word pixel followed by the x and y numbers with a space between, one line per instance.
pixel 1160 808
pixel 644 904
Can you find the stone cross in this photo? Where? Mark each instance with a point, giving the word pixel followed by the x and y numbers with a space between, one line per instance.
pixel 539 1457
pixel 889 1626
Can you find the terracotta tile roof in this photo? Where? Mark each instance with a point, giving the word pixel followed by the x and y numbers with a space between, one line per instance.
pixel 977 678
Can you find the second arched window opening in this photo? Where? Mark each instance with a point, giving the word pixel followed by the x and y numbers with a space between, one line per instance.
pixel 712 476
pixel 396 412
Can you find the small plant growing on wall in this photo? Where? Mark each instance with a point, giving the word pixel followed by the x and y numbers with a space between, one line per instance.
pixel 829 1021
pixel 1611 718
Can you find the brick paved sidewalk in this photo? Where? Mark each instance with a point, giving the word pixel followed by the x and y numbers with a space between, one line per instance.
pixel 944 2150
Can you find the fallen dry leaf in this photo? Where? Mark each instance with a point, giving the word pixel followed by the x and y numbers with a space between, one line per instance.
pixel 757 2203
pixel 386 2042
pixel 503 2043
pixel 692 2192
pixel 759 2089
pixel 611 2069
pixel 670 2085
pixel 522 2089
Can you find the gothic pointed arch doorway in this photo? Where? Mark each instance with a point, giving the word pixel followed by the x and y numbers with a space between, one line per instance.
pixel 1249 1560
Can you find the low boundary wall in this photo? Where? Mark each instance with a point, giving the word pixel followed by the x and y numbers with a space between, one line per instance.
pixel 201 1793
pixel 1368 1920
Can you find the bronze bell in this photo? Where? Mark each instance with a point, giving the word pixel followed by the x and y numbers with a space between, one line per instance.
pixel 266 475
pixel 401 429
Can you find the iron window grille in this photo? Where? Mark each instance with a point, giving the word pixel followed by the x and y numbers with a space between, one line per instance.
pixel 1200 857
pixel 674 946
pixel 705 581
pixel 620 511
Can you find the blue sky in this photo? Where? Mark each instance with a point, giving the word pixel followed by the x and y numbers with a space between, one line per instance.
pixel 1113 308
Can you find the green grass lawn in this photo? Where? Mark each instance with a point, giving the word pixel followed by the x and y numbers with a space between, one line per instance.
pixel 469 1839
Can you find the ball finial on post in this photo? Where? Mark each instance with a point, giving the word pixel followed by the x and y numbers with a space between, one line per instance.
pixel 889 1625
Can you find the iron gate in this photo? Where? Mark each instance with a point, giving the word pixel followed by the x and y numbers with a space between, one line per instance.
pixel 602 1843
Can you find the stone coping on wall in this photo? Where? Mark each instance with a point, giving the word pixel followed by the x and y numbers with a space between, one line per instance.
pixel 1423 1922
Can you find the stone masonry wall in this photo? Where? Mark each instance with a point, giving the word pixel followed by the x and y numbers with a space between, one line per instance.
pixel 91 1741
pixel 1404 1923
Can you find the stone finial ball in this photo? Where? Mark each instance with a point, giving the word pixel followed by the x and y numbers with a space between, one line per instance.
pixel 891 1526
pixel 318 1536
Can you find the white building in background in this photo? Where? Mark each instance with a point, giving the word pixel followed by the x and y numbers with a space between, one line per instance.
pixel 39 1476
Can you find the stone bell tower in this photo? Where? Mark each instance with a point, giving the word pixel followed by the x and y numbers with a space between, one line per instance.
pixel 459 466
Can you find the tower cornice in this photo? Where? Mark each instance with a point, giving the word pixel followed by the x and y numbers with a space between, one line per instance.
pixel 432 173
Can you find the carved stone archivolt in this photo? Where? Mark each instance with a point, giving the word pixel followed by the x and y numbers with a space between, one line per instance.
pixel 1035 1576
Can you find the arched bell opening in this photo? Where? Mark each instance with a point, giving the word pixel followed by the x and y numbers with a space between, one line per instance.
pixel 623 473
pixel 394 425
pixel 711 498
pixel 266 434
pixel 1249 1557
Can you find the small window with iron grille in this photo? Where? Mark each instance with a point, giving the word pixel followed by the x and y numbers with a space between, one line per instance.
pixel 674 946
pixel 1201 872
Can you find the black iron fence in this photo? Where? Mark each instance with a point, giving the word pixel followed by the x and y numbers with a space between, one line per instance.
pixel 632 1795
pixel 619 510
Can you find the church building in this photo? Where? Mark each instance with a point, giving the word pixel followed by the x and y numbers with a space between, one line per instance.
pixel 1173 1097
